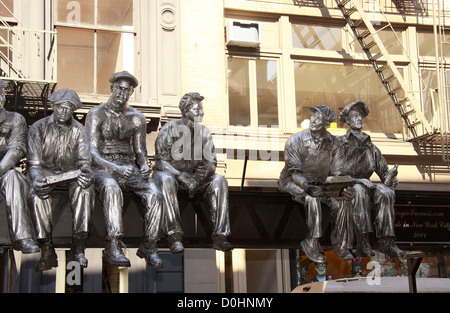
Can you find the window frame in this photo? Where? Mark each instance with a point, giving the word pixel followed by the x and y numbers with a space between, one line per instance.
pixel 348 55
pixel 97 28
pixel 253 93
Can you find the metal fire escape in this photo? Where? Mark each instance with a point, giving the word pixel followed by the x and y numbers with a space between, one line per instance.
pixel 442 43
pixel 418 128
pixel 28 63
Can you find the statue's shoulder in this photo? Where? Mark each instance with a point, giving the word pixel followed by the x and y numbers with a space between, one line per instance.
pixel 15 117
pixel 299 136
pixel 134 113
pixel 98 109
pixel 78 125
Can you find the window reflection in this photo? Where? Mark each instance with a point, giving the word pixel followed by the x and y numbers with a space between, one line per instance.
pixel 76 59
pixel 316 37
pixel 266 75
pixel 252 92
pixel 426 44
pixel 101 45
pixel 238 91
pixel 392 41
pixel 75 12
pixel 115 12
pixel 336 85
pixel 112 51
pixel 6 8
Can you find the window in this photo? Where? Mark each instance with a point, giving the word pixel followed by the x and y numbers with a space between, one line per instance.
pixel 425 40
pixel 317 37
pixel 6 8
pixel 336 85
pixel 253 92
pixel 392 41
pixel 95 39
pixel 431 106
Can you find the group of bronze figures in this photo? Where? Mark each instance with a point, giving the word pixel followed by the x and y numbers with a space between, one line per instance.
pixel 108 156
pixel 315 160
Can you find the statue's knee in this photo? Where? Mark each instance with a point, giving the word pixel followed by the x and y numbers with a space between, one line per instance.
pixel 12 175
pixel 112 190
pixel 220 181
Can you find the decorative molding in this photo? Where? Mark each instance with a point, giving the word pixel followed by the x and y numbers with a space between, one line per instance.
pixel 168 17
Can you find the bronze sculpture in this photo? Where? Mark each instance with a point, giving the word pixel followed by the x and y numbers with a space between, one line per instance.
pixel 14 184
pixel 308 155
pixel 117 140
pixel 57 145
pixel 358 157
pixel 186 159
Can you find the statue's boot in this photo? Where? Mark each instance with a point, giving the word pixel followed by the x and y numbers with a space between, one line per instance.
pixel 113 253
pixel 148 250
pixel 175 244
pixel 313 250
pixel 76 252
pixel 26 246
pixel 48 259
pixel 220 243
pixel 344 254
pixel 363 247
pixel 388 246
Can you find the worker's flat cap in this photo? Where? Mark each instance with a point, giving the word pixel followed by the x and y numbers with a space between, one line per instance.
pixel 124 75
pixel 356 105
pixel 327 112
pixel 66 95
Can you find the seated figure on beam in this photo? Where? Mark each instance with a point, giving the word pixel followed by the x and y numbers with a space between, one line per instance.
pixel 359 158
pixel 58 154
pixel 308 155
pixel 186 159
pixel 117 140
pixel 14 186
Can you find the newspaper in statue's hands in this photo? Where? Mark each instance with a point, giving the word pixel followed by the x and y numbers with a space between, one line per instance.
pixel 334 185
pixel 62 178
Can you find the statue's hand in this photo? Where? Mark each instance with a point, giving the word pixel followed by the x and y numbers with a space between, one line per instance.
pixel 41 188
pixel 125 171
pixel 145 171
pixel 365 182
pixel 348 193
pixel 314 191
pixel 394 182
pixel 203 171
pixel 86 177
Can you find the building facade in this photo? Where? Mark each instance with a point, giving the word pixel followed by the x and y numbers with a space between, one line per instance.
pixel 260 64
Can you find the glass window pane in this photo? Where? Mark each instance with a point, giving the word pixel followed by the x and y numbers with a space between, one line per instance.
pixel 392 42
pixel 336 85
pixel 429 81
pixel 76 59
pixel 316 37
pixel 427 44
pixel 115 12
pixel 75 12
pixel 115 52
pixel 6 8
pixel 238 92
pixel 266 82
